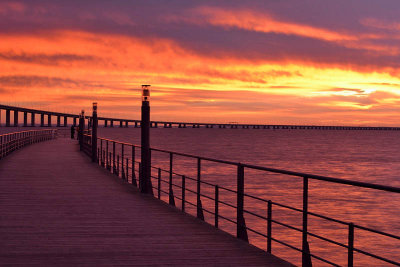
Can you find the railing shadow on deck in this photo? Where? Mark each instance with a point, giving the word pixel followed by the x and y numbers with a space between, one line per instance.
pixel 10 142
pixel 128 168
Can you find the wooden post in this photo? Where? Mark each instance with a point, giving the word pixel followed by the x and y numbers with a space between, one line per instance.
pixel 33 119
pixel 133 167
pixel 159 184
pixel 25 119
pixel 81 128
pixel 8 117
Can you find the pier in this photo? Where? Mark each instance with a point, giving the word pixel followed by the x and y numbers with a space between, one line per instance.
pixel 66 119
pixel 58 208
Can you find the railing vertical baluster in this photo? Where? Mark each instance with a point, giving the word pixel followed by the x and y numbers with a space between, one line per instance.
pixel 216 207
pixel 101 149
pixel 171 193
pixel 306 257
pixel 113 157
pixel 350 245
pixel 269 227
pixel 127 170
pixel 109 160
pixel 199 206
pixel 133 167
pixel 241 231
pixel 183 192
pixel 117 169
pixel 159 184
pixel 122 163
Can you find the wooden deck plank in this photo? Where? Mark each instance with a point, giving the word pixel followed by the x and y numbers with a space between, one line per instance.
pixel 58 208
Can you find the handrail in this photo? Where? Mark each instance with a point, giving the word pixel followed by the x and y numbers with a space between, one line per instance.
pixel 127 169
pixel 10 142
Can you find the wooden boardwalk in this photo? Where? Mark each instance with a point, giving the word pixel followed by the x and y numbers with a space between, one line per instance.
pixel 57 208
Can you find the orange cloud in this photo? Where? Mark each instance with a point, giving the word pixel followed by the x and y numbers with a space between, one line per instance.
pixel 70 69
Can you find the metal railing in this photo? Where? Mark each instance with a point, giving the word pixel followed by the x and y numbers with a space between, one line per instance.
pixel 10 142
pixel 112 155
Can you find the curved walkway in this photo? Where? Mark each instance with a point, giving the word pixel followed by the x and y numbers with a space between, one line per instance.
pixel 57 208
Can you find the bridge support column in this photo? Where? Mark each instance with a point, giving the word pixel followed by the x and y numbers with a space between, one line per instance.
pixel 42 120
pixel 15 118
pixel 25 119
pixel 144 179
pixel 65 121
pixel 136 124
pixel 111 123
pixel 49 120
pixel 126 124
pixel 33 119
pixel 74 123
pixel 94 133
pixel 58 121
pixel 120 124
pixel 105 123
pixel 8 117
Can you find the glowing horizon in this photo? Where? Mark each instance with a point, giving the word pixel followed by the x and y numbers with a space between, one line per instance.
pixel 250 63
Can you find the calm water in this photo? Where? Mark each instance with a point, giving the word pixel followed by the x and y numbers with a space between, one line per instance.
pixel 368 156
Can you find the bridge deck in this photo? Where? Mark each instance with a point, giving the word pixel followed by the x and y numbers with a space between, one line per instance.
pixel 56 207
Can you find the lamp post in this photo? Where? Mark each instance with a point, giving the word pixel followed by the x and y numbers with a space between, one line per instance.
pixel 145 182
pixel 94 132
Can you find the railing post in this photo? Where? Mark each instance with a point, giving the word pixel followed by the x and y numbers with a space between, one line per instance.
pixel 183 192
pixel 113 157
pixel 241 231
pixel 269 227
pixel 117 169
pixel 200 214
pixel 102 153
pixel 127 170
pixel 350 245
pixel 171 192
pixel 306 257
pixel 216 207
pixel 94 132
pixel 122 163
pixel 159 184
pixel 133 167
pixel 107 162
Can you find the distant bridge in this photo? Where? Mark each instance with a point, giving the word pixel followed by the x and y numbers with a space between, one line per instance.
pixel 62 121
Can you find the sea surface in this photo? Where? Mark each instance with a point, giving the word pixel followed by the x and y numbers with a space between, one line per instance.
pixel 366 156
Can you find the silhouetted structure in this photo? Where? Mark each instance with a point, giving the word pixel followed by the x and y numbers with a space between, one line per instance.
pixel 109 122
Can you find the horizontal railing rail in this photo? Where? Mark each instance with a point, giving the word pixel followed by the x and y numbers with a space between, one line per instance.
pixel 120 159
pixel 10 142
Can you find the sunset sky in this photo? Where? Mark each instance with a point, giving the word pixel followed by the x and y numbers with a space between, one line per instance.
pixel 279 62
